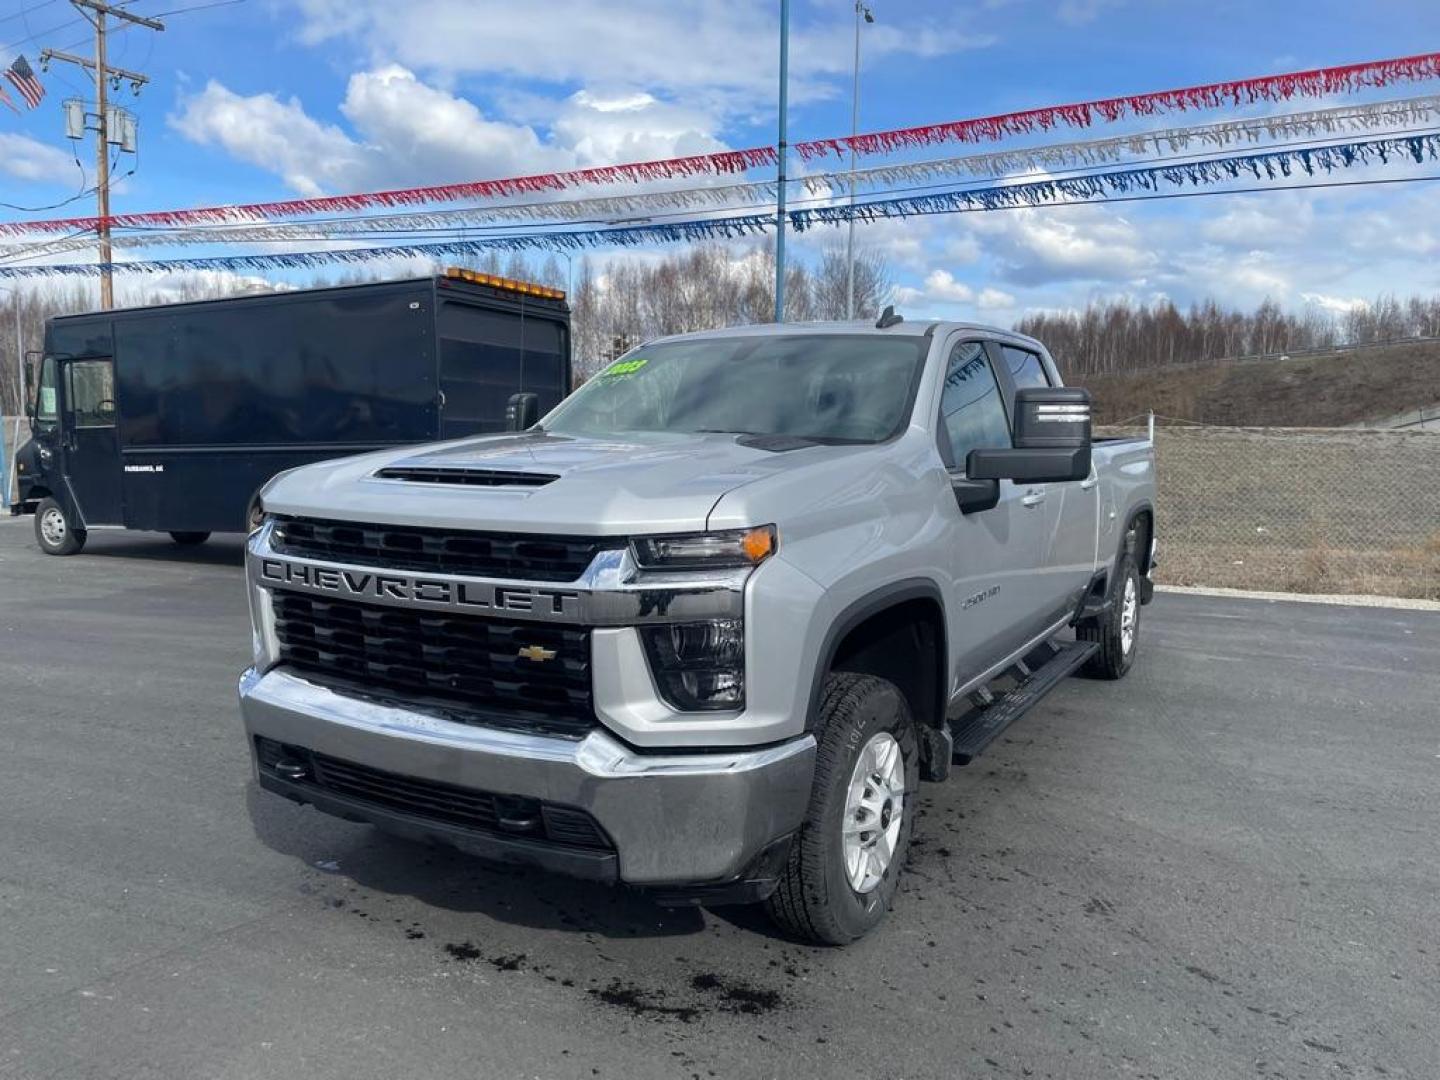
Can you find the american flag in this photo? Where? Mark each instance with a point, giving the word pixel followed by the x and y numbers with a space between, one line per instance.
pixel 22 77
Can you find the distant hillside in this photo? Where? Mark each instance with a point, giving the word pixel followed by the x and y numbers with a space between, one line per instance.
pixel 1330 390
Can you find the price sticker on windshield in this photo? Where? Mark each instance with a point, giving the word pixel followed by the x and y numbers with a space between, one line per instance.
pixel 622 368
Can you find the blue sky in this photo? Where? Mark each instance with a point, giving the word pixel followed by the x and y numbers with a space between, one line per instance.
pixel 266 99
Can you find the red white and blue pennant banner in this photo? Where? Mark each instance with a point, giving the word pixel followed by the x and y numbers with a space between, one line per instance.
pixel 1135 182
pixel 1273 88
pixel 1409 112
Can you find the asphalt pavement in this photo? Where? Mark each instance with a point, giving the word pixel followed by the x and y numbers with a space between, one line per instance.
pixel 1227 865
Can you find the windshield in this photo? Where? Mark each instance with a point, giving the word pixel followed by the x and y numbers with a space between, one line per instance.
pixel 822 387
pixel 46 407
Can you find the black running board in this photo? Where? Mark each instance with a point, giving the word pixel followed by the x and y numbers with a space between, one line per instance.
pixel 979 728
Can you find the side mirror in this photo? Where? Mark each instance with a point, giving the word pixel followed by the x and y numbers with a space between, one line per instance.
pixel 521 412
pixel 1052 439
pixel 32 388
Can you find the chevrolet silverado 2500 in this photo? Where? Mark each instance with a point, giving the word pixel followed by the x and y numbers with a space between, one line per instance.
pixel 706 626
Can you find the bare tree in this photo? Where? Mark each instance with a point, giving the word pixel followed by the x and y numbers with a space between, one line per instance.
pixel 873 283
pixel 1121 336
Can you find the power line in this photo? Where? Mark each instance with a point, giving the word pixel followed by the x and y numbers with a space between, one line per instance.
pixel 197 7
pixel 63 202
pixel 14 46
pixel 27 11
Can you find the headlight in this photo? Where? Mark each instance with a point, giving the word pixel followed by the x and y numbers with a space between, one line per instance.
pixel 698 666
pixel 707 551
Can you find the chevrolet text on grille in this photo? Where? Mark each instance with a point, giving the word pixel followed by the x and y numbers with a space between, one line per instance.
pixel 457 594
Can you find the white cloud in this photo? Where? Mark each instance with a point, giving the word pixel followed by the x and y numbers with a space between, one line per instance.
pixel 402 130
pixel 1262 222
pixel 941 286
pixel 438 134
pixel 275 135
pixel 994 300
pixel 942 289
pixel 1333 305
pixel 710 51
pixel 29 159
pixel 601 130
pixel 1038 247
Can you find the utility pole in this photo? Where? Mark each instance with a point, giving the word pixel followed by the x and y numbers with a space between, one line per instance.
pixel 94 12
pixel 780 175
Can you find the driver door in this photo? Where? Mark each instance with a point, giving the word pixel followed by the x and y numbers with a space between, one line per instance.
pixel 996 601
pixel 89 441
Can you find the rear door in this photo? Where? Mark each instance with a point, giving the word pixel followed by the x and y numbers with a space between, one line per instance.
pixel 90 448
pixel 488 354
pixel 996 603
pixel 1067 552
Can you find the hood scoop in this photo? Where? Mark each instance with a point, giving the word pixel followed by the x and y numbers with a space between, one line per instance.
pixel 776 444
pixel 465 477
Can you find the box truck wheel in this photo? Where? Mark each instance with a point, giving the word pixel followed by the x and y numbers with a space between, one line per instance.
pixel 845 862
pixel 189 539
pixel 55 532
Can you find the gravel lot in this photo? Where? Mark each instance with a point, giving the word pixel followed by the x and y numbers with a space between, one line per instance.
pixel 1226 866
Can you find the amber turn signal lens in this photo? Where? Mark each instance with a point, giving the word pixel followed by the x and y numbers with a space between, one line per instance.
pixel 758 543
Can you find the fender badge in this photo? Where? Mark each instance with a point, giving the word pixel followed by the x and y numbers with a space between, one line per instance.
pixel 537 653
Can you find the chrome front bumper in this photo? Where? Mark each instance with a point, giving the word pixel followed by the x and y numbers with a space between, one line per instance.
pixel 675 819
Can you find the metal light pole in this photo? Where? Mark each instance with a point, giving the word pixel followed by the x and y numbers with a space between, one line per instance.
pixel 780 173
pixel 9 473
pixel 861 11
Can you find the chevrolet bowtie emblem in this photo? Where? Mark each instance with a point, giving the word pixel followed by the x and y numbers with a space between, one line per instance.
pixel 538 653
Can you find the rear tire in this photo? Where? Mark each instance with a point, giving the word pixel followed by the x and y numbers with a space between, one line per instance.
pixel 1118 630
pixel 840 878
pixel 189 539
pixel 55 532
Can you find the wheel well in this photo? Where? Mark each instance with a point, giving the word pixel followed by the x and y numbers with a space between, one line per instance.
pixel 904 644
pixel 1141 524
pixel 31 500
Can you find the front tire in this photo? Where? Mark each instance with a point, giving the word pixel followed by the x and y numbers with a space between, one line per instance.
pixel 1118 630
pixel 845 863
pixel 55 532
pixel 189 539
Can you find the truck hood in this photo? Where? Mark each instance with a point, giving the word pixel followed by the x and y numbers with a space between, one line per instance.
pixel 538 482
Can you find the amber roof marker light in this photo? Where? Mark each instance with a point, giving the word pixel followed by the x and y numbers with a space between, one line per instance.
pixel 504 284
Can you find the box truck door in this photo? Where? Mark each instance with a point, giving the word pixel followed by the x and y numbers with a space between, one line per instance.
pixel 89 447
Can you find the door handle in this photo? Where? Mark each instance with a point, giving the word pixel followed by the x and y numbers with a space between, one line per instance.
pixel 1032 499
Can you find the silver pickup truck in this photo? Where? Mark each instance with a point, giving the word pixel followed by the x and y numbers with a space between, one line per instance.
pixel 705 627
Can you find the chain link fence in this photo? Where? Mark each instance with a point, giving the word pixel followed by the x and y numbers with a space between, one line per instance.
pixel 1300 510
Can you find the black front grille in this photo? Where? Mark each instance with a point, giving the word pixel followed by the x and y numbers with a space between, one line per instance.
pixel 443 551
pixel 465 667
pixel 437 474
pixel 484 811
